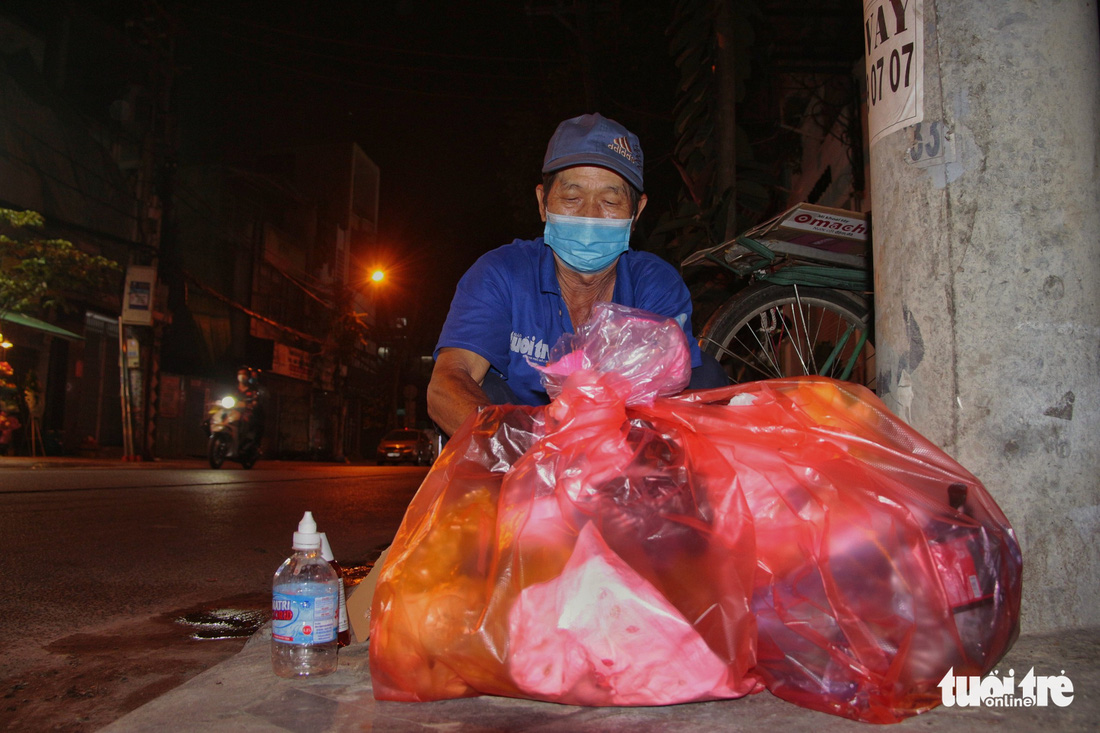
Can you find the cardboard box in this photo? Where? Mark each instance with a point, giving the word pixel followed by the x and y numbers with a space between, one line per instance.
pixel 809 232
pixel 820 227
pixel 359 602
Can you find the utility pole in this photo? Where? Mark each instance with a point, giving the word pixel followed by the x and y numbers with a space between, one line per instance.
pixel 155 32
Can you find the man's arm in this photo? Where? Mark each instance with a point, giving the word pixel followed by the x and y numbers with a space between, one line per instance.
pixel 454 391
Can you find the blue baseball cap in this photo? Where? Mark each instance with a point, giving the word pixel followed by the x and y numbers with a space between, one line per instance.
pixel 595 140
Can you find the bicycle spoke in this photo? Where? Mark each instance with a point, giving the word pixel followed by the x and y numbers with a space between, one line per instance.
pixel 796 342
pixel 801 333
pixel 765 350
pixel 754 365
pixel 799 313
pixel 817 340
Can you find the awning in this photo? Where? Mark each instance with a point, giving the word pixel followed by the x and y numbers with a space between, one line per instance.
pixel 18 319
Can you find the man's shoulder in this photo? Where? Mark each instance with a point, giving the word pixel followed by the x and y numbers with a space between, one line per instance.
pixel 519 250
pixel 505 260
pixel 509 263
pixel 640 261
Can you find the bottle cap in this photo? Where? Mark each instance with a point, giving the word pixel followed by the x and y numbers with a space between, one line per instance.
pixel 306 538
pixel 326 551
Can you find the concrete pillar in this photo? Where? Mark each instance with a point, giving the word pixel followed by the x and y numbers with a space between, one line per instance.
pixel 987 277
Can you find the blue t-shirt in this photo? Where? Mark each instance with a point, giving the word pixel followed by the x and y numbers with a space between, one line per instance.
pixel 508 307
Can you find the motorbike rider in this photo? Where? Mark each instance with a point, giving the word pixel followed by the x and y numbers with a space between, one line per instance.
pixel 251 406
pixel 518 300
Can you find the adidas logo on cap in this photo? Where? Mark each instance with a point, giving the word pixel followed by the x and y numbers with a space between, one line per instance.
pixel 621 145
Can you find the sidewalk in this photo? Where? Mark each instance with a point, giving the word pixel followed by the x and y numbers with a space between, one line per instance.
pixel 243 694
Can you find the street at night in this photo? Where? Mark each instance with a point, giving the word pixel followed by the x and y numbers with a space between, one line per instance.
pixel 747 354
pixel 101 559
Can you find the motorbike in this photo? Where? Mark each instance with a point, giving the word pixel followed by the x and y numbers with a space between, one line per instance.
pixel 226 438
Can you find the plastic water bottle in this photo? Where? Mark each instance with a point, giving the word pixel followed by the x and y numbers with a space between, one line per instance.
pixel 304 609
pixel 343 628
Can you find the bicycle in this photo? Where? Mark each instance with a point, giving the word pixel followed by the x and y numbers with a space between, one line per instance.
pixel 806 308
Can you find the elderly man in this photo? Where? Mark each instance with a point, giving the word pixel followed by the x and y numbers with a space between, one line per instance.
pixel 518 300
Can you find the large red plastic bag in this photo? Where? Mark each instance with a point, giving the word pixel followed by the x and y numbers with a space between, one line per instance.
pixel 502 513
pixel 882 563
pixel 812 541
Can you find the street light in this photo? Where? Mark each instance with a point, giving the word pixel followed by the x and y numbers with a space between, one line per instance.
pixel 4 343
pixel 377 275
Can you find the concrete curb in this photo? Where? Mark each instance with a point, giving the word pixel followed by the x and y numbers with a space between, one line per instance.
pixel 242 694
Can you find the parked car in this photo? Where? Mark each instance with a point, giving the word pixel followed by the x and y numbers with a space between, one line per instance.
pixel 405 445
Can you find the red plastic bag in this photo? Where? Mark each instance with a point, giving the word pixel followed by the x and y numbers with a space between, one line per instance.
pixel 620 548
pixel 526 503
pixel 881 563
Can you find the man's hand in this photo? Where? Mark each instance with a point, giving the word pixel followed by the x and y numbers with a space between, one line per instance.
pixel 454 392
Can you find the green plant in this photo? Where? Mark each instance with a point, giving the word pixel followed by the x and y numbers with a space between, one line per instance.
pixel 38 273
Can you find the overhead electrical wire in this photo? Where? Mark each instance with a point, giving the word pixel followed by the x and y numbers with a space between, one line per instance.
pixel 66 155
pixel 84 194
pixel 248 311
pixel 78 167
pixel 296 280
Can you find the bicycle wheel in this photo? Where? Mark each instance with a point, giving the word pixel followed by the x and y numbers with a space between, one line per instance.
pixel 768 331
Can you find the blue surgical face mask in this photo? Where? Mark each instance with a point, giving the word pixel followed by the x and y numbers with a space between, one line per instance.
pixel 587 244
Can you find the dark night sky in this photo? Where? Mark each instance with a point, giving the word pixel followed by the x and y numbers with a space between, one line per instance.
pixel 454 101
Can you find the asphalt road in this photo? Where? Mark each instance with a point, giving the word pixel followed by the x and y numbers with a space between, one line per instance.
pixel 100 561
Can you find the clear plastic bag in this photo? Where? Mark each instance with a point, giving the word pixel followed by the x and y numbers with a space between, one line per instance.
pixel 620 548
pixel 640 354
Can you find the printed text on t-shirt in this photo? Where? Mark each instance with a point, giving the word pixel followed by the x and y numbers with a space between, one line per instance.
pixel 530 346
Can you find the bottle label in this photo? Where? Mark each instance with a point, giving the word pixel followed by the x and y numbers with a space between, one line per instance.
pixel 962 577
pixel 343 626
pixel 304 618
